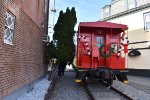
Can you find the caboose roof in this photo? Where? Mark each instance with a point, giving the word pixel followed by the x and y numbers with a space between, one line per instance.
pixel 102 24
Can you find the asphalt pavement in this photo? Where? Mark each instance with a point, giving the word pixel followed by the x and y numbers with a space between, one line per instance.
pixel 141 83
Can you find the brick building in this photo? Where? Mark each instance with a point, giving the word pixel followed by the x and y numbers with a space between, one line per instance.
pixel 22 26
pixel 135 14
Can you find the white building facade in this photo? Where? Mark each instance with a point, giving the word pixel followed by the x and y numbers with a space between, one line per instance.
pixel 135 14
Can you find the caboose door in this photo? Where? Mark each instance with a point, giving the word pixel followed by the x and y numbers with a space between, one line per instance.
pixel 99 40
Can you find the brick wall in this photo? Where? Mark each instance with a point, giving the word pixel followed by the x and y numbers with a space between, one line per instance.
pixel 34 9
pixel 21 62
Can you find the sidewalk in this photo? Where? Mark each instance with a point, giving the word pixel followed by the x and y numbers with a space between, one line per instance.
pixel 141 83
pixel 38 92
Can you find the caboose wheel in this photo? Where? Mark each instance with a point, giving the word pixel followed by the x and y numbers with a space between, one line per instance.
pixel 109 77
pixel 85 78
pixel 110 80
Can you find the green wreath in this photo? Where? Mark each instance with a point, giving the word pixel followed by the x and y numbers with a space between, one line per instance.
pixel 105 55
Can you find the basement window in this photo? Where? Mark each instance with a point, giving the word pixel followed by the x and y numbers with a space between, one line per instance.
pixel 9 28
pixel 146 21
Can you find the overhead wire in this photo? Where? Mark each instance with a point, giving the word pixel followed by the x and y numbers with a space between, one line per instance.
pixel 81 6
pixel 83 19
pixel 90 12
pixel 66 21
pixel 102 2
pixel 84 7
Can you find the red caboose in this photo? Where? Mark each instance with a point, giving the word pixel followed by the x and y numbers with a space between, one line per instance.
pixel 101 51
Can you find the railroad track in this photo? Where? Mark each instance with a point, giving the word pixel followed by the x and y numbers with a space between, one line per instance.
pixel 88 92
pixel 99 91
pixel 118 91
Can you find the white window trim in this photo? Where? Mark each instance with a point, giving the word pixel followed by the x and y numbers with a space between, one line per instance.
pixel 131 4
pixel 146 20
pixel 10 27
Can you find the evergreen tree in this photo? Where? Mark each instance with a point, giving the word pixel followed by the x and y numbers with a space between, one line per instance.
pixel 50 52
pixel 64 34
pixel 58 26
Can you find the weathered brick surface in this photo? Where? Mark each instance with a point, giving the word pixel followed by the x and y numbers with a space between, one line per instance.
pixel 21 62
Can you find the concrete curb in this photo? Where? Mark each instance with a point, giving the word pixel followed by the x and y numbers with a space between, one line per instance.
pixel 53 79
pixel 50 90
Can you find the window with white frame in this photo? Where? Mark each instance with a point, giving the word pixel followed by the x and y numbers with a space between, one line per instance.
pixel 9 28
pixel 146 21
pixel 107 11
pixel 131 4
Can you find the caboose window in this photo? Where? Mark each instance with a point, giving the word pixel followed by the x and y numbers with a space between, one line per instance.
pixel 98 41
pixel 115 47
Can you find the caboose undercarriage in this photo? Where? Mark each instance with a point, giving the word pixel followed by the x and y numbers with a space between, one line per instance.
pixel 101 74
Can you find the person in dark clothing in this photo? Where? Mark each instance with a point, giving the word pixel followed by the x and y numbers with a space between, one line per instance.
pixel 61 68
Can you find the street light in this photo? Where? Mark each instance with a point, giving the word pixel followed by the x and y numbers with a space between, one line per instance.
pixel 50 27
pixel 53 10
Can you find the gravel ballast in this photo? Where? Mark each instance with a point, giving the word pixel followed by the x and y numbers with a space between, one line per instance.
pixel 67 89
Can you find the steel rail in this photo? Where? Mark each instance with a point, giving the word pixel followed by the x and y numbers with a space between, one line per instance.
pixel 91 97
pixel 121 93
pixel 87 90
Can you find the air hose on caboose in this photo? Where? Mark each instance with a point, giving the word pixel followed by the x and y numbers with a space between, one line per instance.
pixel 105 55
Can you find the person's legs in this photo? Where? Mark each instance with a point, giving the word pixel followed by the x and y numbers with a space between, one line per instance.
pixel 63 72
pixel 59 72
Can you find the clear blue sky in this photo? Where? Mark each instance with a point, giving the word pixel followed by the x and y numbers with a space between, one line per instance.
pixel 86 10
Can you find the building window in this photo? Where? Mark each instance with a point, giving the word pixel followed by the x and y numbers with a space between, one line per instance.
pixel 107 11
pixel 9 28
pixel 131 4
pixel 146 21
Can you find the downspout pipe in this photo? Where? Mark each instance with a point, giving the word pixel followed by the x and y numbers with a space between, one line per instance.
pixel 47 18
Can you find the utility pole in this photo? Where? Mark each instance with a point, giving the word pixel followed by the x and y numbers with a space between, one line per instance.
pixel 51 27
pixel 54 11
pixel 47 18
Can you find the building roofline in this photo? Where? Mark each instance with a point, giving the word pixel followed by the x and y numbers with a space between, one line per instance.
pixel 106 6
pixel 126 12
pixel 102 24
